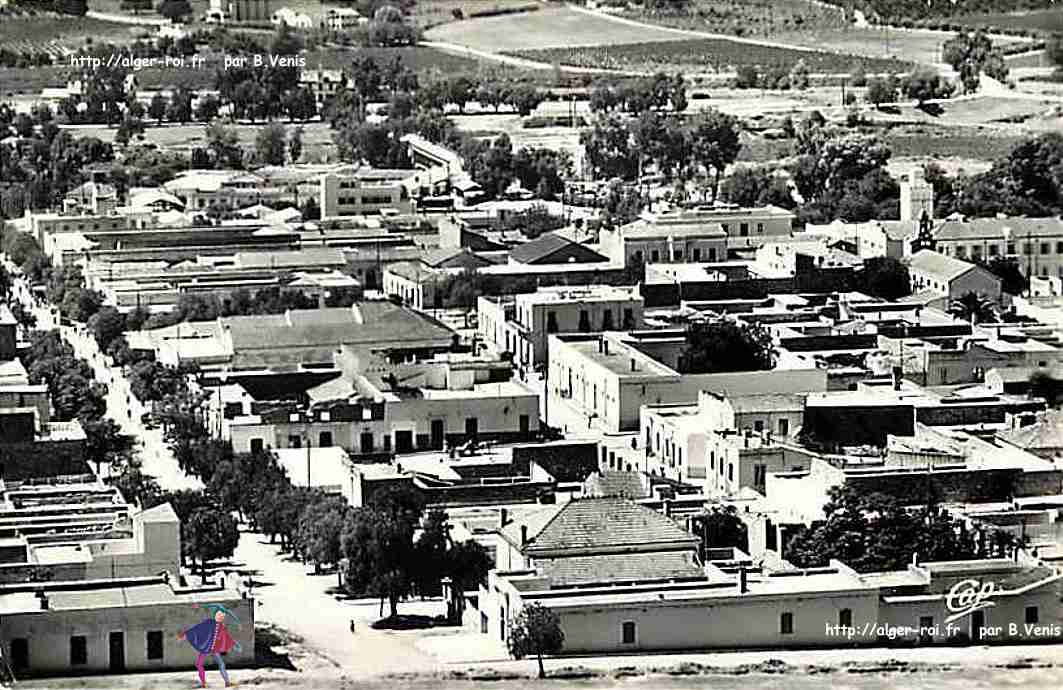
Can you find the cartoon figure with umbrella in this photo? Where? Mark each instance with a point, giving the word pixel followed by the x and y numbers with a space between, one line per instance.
pixel 210 637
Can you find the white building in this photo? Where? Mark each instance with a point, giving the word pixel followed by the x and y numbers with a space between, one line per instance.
pixel 522 323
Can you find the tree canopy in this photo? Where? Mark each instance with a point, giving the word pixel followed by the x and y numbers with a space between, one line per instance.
pixel 726 345
pixel 535 631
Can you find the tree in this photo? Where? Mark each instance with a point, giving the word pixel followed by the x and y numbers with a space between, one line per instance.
pixel 430 551
pixel 157 108
pixel 134 485
pixel 926 85
pixel 877 532
pixel 130 127
pixel 105 444
pixel 973 307
pixel 970 54
pixel 608 148
pixel 209 534
pixel 885 277
pixel 270 144
pixel 179 109
pixel 720 527
pixel 106 325
pixel 881 90
pixel 714 142
pixel 726 345
pixel 799 76
pixel 320 529
pixel 1044 385
pixel 378 546
pixel 467 565
pixel 207 108
pixel 1013 281
pixel 536 630
pixel 224 144
pixel 295 145
pixel 174 10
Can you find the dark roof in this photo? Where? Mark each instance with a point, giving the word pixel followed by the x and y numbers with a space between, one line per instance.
pixel 627 567
pixel 460 257
pixel 553 248
pixel 602 525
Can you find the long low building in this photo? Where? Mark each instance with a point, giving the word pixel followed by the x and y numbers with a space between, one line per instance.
pixel 112 626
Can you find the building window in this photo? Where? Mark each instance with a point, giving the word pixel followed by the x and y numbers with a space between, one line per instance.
pixel 712 254
pixel 697 255
pixel 79 650
pixel 154 645
pixel 992 250
pixel 743 230
pixel 760 227
pixel 1011 247
pixel 607 320
pixel 551 322
pixel 638 256
pixel 627 632
pixel 784 427
pixel 758 425
pixel 324 439
pixel 629 319
pixel 760 473
pixel 960 251
pixel 472 427
pixel 926 628
pixel 1059 247
pixel 1031 615
pixel 677 255
pixel 655 256
pixel 295 441
pixel 786 623
pixel 584 321
pixel 1027 248
pixel 366 442
pixel 731 472
pixel 256 445
pixel 845 618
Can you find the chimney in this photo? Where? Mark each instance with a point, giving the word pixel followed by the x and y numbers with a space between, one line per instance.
pixel 503 517
pixel 915 558
pixel 743 580
pixel 523 535
pixel 633 366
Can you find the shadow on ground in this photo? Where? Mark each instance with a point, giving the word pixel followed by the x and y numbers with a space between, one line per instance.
pixel 270 642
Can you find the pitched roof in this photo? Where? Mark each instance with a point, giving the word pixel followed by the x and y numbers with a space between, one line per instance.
pixel 548 245
pixel 573 570
pixel 624 484
pixel 993 228
pixel 1047 433
pixel 944 267
pixel 598 525
pixel 365 322
pixel 450 257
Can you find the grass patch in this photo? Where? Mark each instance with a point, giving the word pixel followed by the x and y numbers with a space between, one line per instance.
pixel 54 33
pixel 704 54
pixel 1037 21
pixel 550 27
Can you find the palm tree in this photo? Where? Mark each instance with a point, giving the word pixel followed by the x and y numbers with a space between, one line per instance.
pixel 974 307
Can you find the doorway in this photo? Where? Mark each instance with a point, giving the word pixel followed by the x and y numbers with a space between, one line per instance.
pixel 977 624
pixel 117 646
pixel 437 439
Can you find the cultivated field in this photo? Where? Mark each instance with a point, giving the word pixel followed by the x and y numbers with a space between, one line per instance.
pixel 704 55
pixel 45 31
pixel 420 59
pixel 550 27
pixel 758 18
pixel 1041 21
pixel 431 13
pixel 901 44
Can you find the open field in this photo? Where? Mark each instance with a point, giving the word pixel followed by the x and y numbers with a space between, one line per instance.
pixel 429 13
pixel 703 55
pixel 758 18
pixel 45 30
pixel 1043 21
pixel 901 44
pixel 550 27
pixel 24 81
pixel 420 59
